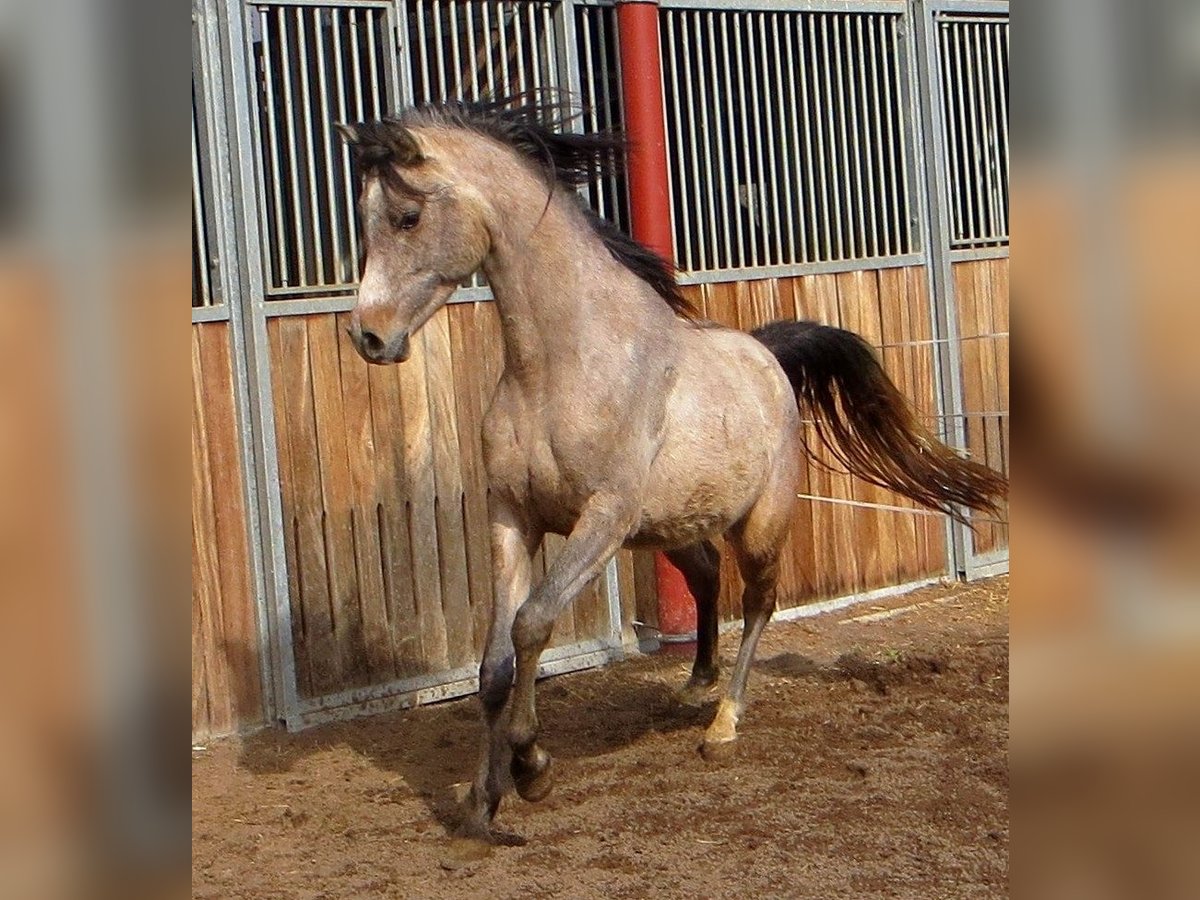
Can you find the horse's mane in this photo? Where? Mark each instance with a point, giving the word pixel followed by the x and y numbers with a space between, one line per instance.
pixel 535 128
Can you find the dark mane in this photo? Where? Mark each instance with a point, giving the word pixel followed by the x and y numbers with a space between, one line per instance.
pixel 536 129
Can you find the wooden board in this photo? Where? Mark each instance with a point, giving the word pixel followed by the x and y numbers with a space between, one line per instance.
pixel 226 682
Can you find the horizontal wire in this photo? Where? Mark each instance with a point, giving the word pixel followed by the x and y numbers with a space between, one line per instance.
pixel 975 517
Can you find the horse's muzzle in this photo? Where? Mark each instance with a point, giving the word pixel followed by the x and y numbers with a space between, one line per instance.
pixel 375 349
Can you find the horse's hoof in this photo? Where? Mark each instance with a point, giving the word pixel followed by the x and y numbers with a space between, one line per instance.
pixel 718 751
pixel 696 693
pixel 533 779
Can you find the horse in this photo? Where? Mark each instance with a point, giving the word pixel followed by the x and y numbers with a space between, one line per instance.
pixel 621 418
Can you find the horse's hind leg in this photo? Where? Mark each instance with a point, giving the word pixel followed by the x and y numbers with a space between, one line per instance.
pixel 701 567
pixel 757 542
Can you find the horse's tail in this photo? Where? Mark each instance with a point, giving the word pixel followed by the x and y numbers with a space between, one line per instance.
pixel 869 426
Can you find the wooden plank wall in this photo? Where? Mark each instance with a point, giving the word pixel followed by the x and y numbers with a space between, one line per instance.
pixel 385 501
pixel 841 547
pixel 226 682
pixel 981 294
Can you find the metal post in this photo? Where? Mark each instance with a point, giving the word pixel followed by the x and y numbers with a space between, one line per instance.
pixel 649 190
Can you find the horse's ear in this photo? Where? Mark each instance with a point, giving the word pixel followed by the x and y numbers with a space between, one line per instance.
pixel 404 147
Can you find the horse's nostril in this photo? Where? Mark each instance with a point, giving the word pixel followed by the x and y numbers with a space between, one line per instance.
pixel 372 344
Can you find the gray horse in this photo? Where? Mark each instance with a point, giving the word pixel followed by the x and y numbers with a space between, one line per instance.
pixel 619 419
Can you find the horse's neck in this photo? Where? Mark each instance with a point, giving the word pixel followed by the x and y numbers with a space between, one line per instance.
pixel 562 297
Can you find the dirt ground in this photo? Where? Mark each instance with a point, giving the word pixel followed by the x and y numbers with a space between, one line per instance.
pixel 872 762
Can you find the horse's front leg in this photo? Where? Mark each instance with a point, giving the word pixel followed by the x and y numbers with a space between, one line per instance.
pixel 513 543
pixel 598 534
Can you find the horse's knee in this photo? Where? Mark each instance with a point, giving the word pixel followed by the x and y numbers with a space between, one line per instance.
pixel 531 627
pixel 495 683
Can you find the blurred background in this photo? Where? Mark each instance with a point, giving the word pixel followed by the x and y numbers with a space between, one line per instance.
pixel 1105 615
pixel 94 219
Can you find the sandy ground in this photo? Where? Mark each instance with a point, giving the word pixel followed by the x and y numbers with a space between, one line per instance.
pixel 872 762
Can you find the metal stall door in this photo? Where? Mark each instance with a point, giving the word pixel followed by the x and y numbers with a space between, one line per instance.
pixel 962 49
pixel 374 504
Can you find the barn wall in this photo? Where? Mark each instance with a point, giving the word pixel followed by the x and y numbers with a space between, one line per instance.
pixel 385 501
pixel 981 296
pixel 226 682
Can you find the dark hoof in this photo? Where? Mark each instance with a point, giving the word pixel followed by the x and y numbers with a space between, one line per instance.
pixel 718 751
pixel 533 778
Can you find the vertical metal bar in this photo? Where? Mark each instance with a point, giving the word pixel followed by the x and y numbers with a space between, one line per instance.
pixel 592 103
pixel 719 130
pixel 971 226
pixel 745 140
pixel 705 140
pixel 523 81
pixel 201 231
pixel 488 41
pixel 297 205
pixel 677 167
pixel 882 138
pixel 535 58
pixel 348 186
pixel 455 50
pixel 731 131
pixel 556 76
pixel 501 20
pixel 809 229
pixel 871 137
pixel 789 184
pixel 356 67
pixel 280 269
pixel 953 141
pixel 930 128
pixel 252 366
pixel 422 49
pixel 473 51
pixel 310 155
pixel 1002 78
pixel 694 139
pixel 439 51
pixel 983 184
pixel 906 193
pixel 860 228
pixel 837 148
pixel 758 50
pixel 377 90
pixel 988 66
pixel 891 93
pixel 821 102
pixel 609 107
pixel 335 230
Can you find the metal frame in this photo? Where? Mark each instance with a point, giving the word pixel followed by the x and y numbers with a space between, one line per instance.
pixel 952 414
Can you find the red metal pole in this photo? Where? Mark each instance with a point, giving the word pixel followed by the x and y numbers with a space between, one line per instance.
pixel 650 195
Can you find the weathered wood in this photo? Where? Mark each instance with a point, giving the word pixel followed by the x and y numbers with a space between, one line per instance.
pixel 365 520
pixel 456 590
pixel 465 356
pixel 312 611
pixel 226 689
pixel 290 505
pixel 422 515
pixel 337 500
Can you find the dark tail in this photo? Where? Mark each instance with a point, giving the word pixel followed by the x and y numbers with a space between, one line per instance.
pixel 869 426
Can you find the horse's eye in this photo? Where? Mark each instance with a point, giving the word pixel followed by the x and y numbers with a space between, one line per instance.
pixel 406 221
